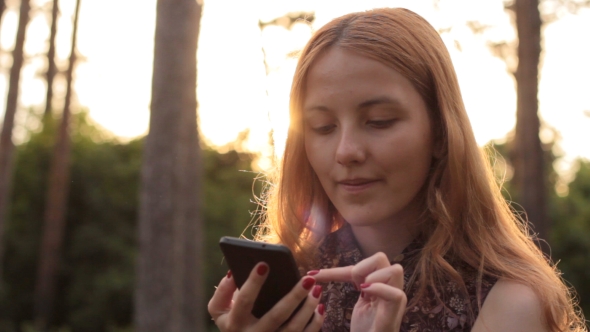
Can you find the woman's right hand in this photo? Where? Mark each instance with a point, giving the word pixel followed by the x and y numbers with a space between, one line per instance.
pixel 231 308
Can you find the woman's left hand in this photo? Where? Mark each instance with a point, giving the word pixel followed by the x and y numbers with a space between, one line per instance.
pixel 382 303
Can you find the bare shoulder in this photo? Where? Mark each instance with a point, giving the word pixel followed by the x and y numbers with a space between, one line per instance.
pixel 510 307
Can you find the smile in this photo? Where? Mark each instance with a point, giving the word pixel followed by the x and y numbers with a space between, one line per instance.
pixel 356 185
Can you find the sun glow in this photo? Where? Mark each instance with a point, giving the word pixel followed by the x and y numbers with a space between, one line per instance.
pixel 236 94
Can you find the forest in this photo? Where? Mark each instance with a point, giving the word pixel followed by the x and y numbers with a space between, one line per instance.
pixel 103 234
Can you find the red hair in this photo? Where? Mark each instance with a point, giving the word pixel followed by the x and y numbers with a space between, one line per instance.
pixel 466 217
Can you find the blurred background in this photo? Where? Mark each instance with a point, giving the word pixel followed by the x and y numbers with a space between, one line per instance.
pixel 86 193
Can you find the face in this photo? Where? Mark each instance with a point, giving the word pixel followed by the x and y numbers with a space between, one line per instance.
pixel 367 136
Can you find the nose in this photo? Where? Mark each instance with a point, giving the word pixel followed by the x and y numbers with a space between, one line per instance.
pixel 350 149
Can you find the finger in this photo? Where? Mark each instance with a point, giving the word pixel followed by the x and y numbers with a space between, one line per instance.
pixel 221 301
pixel 244 301
pixel 318 320
pixel 394 298
pixel 390 303
pixel 338 274
pixel 306 311
pixel 392 275
pixel 281 311
pixel 367 266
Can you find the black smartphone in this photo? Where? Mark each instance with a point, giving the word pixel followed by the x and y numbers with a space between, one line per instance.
pixel 242 255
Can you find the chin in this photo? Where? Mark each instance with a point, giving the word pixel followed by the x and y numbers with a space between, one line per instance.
pixel 362 221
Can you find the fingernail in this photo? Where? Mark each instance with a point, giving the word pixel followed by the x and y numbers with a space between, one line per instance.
pixel 228 274
pixel 317 291
pixel 313 272
pixel 308 282
pixel 321 309
pixel 356 287
pixel 365 285
pixel 363 295
pixel 262 269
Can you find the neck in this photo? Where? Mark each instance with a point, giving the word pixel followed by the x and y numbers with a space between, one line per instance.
pixel 387 238
pixel 390 236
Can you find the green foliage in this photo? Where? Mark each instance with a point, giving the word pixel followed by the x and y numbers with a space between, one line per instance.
pixel 23 229
pixel 96 278
pixel 570 238
pixel 96 274
pixel 569 216
pixel 99 260
pixel 228 200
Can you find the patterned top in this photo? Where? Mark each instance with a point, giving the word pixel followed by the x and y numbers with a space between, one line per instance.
pixel 428 315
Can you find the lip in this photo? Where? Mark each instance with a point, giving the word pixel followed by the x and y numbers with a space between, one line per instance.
pixel 356 185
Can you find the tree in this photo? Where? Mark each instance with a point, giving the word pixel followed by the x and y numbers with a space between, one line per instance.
pixel 2 9
pixel 169 291
pixel 287 21
pixel 529 175
pixel 96 275
pixel 523 62
pixel 6 144
pixel 56 202
pixel 51 67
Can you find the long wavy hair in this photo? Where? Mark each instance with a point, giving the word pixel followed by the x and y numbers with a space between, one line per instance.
pixel 466 217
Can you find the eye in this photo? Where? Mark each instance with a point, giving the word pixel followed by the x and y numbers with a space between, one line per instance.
pixel 381 124
pixel 324 129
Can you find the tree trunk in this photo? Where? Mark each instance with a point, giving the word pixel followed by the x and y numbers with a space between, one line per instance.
pixel 56 204
pixel 6 144
pixel 51 68
pixel 169 295
pixel 2 9
pixel 529 169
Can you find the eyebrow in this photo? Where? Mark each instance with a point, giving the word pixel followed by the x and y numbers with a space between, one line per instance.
pixel 378 101
pixel 365 104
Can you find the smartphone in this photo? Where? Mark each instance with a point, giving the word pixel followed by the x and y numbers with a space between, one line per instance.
pixel 242 255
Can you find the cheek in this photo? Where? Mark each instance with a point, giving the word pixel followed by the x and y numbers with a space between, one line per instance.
pixel 315 156
pixel 408 159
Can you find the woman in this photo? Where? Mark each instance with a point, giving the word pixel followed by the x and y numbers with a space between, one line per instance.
pixel 385 198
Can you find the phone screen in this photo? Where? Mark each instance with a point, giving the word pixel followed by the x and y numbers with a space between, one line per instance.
pixel 242 255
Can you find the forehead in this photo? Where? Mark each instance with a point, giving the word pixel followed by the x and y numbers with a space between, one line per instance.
pixel 338 63
pixel 339 76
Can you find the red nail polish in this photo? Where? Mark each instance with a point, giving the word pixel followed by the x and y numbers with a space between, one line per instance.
pixel 308 282
pixel 365 285
pixel 317 291
pixel 363 295
pixel 228 274
pixel 262 269
pixel 321 309
pixel 313 272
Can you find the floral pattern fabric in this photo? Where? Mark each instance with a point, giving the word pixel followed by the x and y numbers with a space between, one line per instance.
pixel 428 315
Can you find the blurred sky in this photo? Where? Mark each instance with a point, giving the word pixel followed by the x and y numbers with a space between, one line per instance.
pixel 116 39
